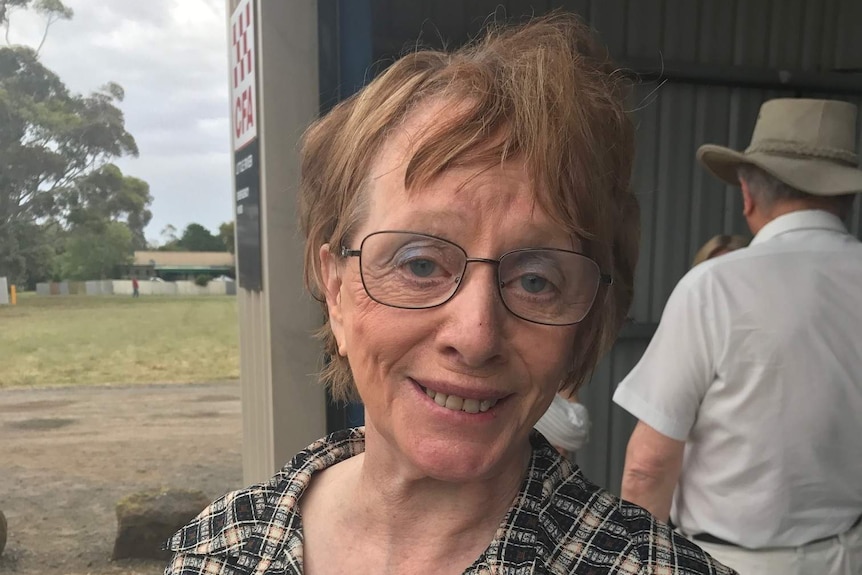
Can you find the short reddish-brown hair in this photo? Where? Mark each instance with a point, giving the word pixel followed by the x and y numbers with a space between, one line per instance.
pixel 545 91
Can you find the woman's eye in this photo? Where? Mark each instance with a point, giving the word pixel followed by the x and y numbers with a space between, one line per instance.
pixel 421 267
pixel 532 283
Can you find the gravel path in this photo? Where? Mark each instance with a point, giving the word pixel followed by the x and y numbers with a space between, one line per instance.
pixel 67 455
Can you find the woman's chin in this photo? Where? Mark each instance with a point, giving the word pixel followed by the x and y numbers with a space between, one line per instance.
pixel 464 461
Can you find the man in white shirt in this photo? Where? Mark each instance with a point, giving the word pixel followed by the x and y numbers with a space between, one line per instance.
pixel 749 396
pixel 566 424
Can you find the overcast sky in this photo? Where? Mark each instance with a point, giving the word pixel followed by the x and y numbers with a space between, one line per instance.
pixel 170 56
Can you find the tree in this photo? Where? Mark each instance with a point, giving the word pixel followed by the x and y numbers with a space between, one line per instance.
pixel 28 251
pixel 96 253
pixel 50 138
pixel 169 239
pixel 56 150
pixel 52 10
pixel 107 195
pixel 197 238
pixel 226 233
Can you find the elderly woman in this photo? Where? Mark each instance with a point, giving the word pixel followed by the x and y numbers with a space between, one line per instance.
pixel 472 236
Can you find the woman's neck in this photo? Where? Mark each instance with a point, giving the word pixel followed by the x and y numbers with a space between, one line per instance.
pixel 375 513
pixel 402 504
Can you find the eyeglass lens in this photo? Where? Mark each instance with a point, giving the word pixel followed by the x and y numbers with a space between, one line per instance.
pixel 416 271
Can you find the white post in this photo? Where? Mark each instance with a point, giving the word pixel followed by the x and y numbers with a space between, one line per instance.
pixel 283 407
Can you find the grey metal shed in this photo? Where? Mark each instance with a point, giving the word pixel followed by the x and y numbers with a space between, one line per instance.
pixel 704 67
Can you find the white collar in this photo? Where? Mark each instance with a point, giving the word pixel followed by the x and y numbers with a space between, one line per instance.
pixel 799 220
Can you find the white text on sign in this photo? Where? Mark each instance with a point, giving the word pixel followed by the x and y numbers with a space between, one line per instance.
pixel 244 164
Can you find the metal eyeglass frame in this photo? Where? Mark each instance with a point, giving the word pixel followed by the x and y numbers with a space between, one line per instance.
pixel 604 279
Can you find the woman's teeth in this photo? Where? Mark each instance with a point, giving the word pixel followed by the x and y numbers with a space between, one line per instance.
pixel 456 403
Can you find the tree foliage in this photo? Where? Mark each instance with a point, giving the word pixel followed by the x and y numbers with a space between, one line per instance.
pixel 58 186
pixel 50 138
pixel 28 251
pixel 52 10
pixel 197 238
pixel 226 233
pixel 106 195
pixel 96 253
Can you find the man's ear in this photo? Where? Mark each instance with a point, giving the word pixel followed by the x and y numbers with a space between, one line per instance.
pixel 747 201
pixel 332 292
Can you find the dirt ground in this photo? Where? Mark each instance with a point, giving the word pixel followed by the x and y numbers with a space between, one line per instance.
pixel 68 455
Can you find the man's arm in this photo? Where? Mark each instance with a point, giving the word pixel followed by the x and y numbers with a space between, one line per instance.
pixel 652 468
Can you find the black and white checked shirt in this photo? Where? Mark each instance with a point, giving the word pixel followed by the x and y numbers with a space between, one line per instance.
pixel 559 523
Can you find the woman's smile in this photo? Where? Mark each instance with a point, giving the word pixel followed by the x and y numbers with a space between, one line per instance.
pixel 460 398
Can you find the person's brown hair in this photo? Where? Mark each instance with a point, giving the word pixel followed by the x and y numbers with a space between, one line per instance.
pixel 544 91
pixel 721 243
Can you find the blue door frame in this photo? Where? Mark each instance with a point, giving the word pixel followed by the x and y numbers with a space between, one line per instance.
pixel 344 61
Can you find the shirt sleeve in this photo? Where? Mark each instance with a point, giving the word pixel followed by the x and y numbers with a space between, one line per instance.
pixel 565 424
pixel 666 387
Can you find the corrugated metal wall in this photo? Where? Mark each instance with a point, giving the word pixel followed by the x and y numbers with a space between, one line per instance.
pixel 722 60
pixel 682 206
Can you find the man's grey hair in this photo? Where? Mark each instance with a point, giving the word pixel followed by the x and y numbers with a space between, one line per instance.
pixel 765 188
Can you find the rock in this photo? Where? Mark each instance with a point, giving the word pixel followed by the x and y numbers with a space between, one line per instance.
pixel 3 528
pixel 145 520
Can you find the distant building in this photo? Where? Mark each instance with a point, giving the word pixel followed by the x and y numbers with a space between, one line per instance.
pixel 171 266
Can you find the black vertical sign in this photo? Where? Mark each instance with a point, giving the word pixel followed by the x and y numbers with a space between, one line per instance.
pixel 248 249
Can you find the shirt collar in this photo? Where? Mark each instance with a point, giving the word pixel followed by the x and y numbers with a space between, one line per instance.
pixel 799 220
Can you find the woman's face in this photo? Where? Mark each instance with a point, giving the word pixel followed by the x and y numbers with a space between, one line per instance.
pixel 472 349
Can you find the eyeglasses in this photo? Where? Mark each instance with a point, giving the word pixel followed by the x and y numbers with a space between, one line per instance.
pixel 409 270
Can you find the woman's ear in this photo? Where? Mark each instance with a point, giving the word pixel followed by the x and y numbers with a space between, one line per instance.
pixel 332 292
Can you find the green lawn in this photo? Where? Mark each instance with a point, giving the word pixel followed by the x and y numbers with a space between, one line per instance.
pixel 84 340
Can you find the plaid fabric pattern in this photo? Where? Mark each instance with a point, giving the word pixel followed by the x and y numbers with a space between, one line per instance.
pixel 559 524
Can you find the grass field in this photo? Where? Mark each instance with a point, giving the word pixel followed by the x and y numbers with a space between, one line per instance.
pixel 85 340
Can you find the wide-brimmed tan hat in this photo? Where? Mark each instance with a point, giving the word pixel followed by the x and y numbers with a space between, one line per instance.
pixel 807 144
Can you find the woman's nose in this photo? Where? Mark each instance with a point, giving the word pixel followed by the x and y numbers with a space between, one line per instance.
pixel 473 329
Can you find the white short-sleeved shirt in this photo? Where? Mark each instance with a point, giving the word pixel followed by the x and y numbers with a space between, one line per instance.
pixel 757 365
